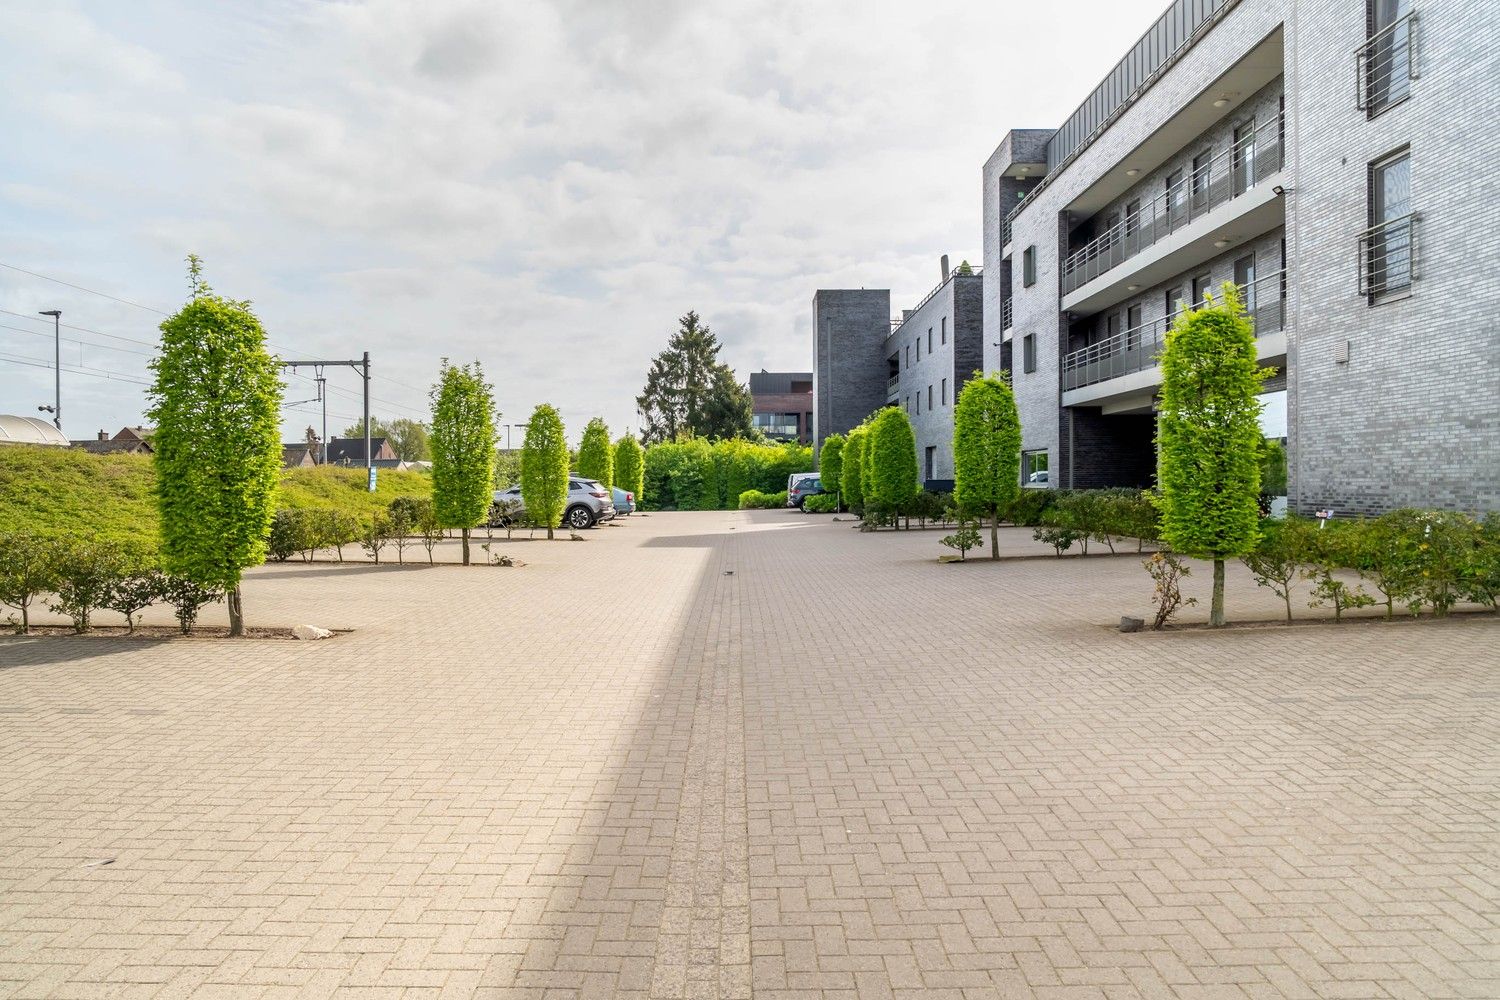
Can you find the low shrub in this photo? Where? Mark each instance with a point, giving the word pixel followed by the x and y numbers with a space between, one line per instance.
pixel 187 598
pixel 821 503
pixel 1167 570
pixel 1330 549
pixel 1031 506
pixel 28 569
pixel 966 537
pixel 756 500
pixel 1279 557
pixel 1060 537
pixel 86 570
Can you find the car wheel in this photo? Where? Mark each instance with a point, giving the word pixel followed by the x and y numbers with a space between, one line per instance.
pixel 580 518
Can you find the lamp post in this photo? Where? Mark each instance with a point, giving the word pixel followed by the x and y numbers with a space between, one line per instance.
pixel 56 315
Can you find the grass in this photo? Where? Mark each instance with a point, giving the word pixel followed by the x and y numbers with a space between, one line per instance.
pixel 64 491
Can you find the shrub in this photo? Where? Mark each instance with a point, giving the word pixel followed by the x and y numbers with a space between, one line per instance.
pixel 432 529
pixel 1167 570
pixel 375 534
pixel 630 467
pixel 697 475
pixel 965 538
pixel 1132 514
pixel 820 503
pixel 891 460
pixel 286 534
pixel 1481 579
pixel 1031 507
pixel 1279 556
pixel 831 464
pixel 932 506
pixel 1443 547
pixel 851 480
pixel 1333 547
pixel 187 598
pixel 28 568
pixel 401 522
pixel 1059 536
pixel 87 569
pixel 1088 513
pixel 1381 556
pixel 596 456
pixel 133 593
pixel 337 528
pixel 987 451
pixel 756 500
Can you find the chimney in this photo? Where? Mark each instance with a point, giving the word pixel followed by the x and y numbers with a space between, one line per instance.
pixel 103 434
pixel 944 265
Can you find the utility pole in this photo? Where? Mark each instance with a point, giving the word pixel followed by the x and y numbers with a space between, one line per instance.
pixel 56 406
pixel 323 396
pixel 369 458
pixel 362 365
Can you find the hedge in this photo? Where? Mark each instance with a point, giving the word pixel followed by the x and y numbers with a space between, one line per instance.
pixel 756 500
pixel 697 475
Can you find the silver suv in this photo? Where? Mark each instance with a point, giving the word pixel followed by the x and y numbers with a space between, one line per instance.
pixel 588 504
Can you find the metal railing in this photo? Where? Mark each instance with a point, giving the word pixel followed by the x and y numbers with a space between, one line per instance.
pixel 1388 256
pixel 1007 313
pixel 1004 231
pixel 892 382
pixel 1205 186
pixel 1384 68
pixel 911 314
pixel 1138 348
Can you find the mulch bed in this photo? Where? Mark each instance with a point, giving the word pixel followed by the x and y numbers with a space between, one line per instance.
pixel 1351 619
pixel 159 632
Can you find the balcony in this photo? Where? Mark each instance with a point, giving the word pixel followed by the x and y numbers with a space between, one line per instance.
pixel 1137 349
pixel 1007 314
pixel 1388 257
pixel 892 382
pixel 1383 66
pixel 1180 209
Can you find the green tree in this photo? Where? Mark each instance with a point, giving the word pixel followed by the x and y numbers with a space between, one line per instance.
pixel 596 456
pixel 689 392
pixel 410 439
pixel 891 455
pixel 216 402
pixel 851 477
pixel 1208 436
pixel 28 567
pixel 630 466
pixel 463 448
pixel 544 468
pixel 831 463
pixel 987 451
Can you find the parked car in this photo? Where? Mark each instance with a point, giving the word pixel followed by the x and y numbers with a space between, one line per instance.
pixel 802 489
pixel 795 478
pixel 1039 477
pixel 624 501
pixel 588 504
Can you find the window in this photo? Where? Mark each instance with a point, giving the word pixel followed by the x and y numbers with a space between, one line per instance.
pixel 777 426
pixel 1385 61
pixel 1202 168
pixel 931 460
pixel 919 402
pixel 944 397
pixel 908 355
pixel 1173 303
pixel 1387 245
pixel 1244 276
pixel 1176 193
pixel 1201 285
pixel 1111 327
pixel 1028 353
pixel 1034 470
pixel 945 330
pixel 929 397
pixel 907 404
pixel 1132 328
pixel 929 340
pixel 1028 266
pixel 1132 219
pixel 1244 157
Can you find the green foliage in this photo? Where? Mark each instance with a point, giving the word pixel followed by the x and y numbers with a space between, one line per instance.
pixel 374 534
pixel 401 524
pixel 410 439
pixel 1060 536
pixel 853 478
pixel 891 461
pixel 630 467
pixel 544 468
pixel 329 487
pixel 138 585
pixel 1273 468
pixel 288 529
pixel 818 503
pixel 507 468
pixel 1208 436
pixel 86 571
pixel 930 505
pixel 463 448
pixel 63 491
pixel 1031 507
pixel 596 456
pixel 1167 571
pixel 689 393
pixel 430 527
pixel 216 401
pixel 831 463
pixel 965 538
pixel 28 568
pixel 756 500
pixel 187 598
pixel 987 451
pixel 696 475
pixel 1284 547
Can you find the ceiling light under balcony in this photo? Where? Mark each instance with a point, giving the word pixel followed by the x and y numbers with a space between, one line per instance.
pixel 1221 102
pixel 1132 288
pixel 1221 242
pixel 1131 172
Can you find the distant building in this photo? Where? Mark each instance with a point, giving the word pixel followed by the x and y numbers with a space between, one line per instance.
pixel 30 430
pixel 351 451
pixel 781 404
pixel 298 455
pixel 129 441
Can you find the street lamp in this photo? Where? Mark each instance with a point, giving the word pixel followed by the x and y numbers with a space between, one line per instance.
pixel 56 406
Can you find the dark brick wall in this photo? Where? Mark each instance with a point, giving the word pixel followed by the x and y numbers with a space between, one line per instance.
pixel 1099 451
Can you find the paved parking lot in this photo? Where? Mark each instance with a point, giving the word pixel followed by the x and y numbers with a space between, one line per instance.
pixel 711 755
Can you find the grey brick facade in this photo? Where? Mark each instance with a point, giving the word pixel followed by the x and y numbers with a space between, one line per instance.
pixel 849 370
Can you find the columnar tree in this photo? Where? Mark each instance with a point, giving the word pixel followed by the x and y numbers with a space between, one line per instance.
pixel 630 466
pixel 851 480
pixel 987 451
pixel 544 468
pixel 831 463
pixel 216 402
pixel 891 455
pixel 1208 436
pixel 463 448
pixel 596 457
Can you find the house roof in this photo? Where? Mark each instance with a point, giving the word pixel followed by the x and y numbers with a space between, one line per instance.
pixel 29 430
pixel 351 451
pixel 128 446
pixel 778 382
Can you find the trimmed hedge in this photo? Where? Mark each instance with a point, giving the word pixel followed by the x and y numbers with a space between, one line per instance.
pixel 820 503
pixel 756 500
pixel 697 475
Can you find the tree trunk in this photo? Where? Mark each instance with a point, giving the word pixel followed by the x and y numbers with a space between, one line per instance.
pixel 26 617
pixel 236 613
pixel 466 546
pixel 549 532
pixel 1287 596
pixel 1216 615
pixel 994 534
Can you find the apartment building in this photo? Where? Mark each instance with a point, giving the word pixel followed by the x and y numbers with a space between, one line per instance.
pixel 1335 160
pixel 781 405
pixel 865 360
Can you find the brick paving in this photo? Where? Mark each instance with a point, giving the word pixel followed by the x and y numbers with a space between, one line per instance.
pixel 725 755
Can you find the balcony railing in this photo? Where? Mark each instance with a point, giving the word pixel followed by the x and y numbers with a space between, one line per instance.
pixel 1203 187
pixel 1007 313
pixel 1004 230
pixel 892 382
pixel 1384 68
pixel 1388 256
pixel 972 272
pixel 1138 348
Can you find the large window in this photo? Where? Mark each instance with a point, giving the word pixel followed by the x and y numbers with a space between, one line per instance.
pixel 777 426
pixel 1028 353
pixel 1387 246
pixel 1028 266
pixel 1133 324
pixel 1244 156
pixel 1034 471
pixel 1384 62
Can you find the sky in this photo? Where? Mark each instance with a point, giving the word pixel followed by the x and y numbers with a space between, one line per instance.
pixel 544 187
